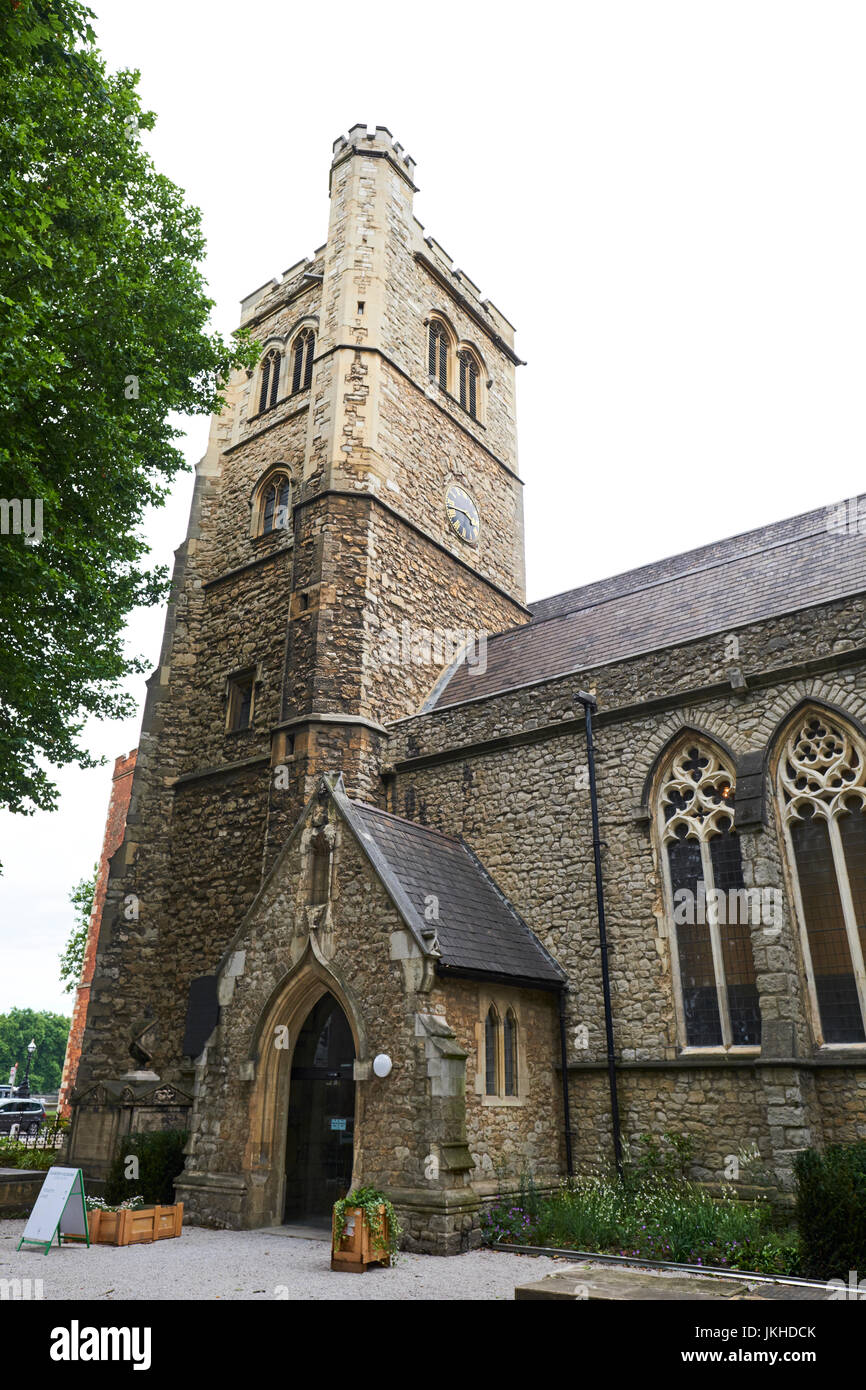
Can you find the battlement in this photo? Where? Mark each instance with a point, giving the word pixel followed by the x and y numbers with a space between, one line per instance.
pixel 124 764
pixel 360 141
pixel 444 264
pixel 379 142
pixel 295 278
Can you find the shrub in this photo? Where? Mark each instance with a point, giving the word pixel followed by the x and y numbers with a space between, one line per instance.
pixel 160 1160
pixel 831 1210
pixel 14 1155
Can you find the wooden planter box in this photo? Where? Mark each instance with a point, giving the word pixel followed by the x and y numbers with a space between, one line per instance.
pixel 134 1227
pixel 356 1250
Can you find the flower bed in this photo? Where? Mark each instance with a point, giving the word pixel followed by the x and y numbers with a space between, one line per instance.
pixel 661 1218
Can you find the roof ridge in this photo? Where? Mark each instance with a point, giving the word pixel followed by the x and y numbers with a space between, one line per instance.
pixel 812 515
pixel 659 583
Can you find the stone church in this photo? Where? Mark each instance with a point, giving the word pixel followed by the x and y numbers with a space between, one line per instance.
pixel 426 888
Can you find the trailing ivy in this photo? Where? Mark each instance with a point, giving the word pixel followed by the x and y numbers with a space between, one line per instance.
pixel 385 1229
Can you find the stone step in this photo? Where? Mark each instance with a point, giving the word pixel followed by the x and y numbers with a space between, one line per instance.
pixel 605 1283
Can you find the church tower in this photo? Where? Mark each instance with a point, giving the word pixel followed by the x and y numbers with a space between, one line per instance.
pixel 356 520
pixel 408 513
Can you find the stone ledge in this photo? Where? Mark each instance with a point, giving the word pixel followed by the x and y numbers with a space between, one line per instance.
pixel 599 1283
pixel 19 1188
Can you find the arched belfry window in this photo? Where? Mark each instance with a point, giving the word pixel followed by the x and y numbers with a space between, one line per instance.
pixel 270 382
pixel 821 787
pixel 274 504
pixel 438 352
pixel 708 907
pixel 491 1052
pixel 303 348
pixel 470 376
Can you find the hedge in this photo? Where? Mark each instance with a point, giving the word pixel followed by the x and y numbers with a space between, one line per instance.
pixel 831 1210
pixel 160 1160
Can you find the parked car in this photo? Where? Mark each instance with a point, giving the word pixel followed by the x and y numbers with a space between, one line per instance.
pixel 30 1115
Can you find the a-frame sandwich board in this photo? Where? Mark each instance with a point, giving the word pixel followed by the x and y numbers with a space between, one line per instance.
pixel 59 1210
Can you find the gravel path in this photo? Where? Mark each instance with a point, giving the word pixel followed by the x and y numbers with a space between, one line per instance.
pixel 256 1265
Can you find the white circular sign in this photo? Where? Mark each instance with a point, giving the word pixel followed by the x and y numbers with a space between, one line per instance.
pixel 382 1064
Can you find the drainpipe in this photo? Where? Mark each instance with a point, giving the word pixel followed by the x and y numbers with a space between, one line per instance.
pixel 566 1108
pixel 589 704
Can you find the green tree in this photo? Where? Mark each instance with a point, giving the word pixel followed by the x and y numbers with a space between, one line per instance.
pixel 48 1031
pixel 72 956
pixel 103 336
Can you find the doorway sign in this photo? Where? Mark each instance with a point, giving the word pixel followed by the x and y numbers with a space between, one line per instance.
pixel 59 1210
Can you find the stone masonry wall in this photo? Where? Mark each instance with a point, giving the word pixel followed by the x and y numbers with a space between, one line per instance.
pixel 508 774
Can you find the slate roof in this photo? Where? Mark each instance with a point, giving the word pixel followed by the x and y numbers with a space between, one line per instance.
pixel 792 564
pixel 478 930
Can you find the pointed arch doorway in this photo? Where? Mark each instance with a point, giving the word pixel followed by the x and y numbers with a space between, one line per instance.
pixel 320 1134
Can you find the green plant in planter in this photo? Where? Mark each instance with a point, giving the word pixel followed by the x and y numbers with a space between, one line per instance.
pixel 370 1200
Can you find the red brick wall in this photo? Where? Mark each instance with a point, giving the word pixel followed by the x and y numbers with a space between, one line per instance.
pixel 115 825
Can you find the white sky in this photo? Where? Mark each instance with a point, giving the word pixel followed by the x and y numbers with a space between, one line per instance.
pixel 668 201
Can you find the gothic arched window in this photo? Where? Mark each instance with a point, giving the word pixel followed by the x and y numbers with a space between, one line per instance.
pixel 708 904
pixel 491 1052
pixel 303 348
pixel 270 379
pixel 469 382
pixel 821 781
pixel 509 1033
pixel 438 352
pixel 275 504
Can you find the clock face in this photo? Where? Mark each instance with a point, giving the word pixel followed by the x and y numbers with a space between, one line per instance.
pixel 462 513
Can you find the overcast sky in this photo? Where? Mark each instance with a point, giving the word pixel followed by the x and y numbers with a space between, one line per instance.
pixel 666 199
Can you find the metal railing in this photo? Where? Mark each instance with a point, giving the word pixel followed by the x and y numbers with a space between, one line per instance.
pixel 52 1134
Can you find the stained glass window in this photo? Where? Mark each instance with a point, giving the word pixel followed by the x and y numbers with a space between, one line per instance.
pixel 712 913
pixel 822 792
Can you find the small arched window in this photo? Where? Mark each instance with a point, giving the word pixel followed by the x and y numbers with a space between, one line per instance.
pixel 491 1052
pixel 438 350
pixel 303 348
pixel 469 382
pixel 510 1053
pixel 275 504
pixel 710 908
pixel 270 379
pixel 821 788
